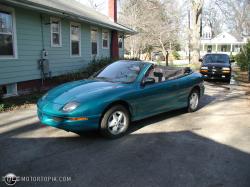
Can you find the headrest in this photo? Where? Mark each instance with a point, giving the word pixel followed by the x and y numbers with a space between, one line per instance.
pixel 158 74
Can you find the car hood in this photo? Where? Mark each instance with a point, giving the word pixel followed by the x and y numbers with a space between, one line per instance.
pixel 77 90
pixel 219 65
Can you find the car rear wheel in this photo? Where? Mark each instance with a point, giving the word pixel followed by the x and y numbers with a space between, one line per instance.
pixel 193 100
pixel 115 122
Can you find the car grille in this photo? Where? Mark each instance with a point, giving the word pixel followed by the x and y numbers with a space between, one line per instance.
pixel 213 69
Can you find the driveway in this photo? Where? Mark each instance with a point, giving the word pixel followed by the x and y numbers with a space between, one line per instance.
pixel 209 148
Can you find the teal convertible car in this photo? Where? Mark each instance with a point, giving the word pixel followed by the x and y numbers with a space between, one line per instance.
pixel 122 92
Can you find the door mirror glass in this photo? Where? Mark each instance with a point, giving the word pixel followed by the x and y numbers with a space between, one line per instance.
pixel 200 60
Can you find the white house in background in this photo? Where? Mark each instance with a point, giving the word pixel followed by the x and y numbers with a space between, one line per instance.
pixel 222 43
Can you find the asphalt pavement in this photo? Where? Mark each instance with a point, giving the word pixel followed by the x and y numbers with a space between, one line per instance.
pixel 209 148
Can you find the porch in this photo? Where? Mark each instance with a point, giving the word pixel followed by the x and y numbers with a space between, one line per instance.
pixel 227 48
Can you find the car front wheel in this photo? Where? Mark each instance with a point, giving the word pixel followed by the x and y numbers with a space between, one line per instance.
pixel 115 122
pixel 193 101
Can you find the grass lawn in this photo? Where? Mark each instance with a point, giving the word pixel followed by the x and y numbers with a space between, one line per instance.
pixel 18 102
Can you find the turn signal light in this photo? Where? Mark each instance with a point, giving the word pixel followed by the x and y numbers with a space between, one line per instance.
pixel 78 119
pixel 204 70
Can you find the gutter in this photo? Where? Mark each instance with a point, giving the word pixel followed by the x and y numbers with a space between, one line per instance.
pixel 68 14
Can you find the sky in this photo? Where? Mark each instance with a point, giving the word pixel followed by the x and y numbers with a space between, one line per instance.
pixel 103 5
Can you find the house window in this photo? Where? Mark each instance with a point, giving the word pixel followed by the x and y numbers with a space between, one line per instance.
pixel 56 38
pixel 120 41
pixel 75 37
pixel 224 48
pixel 94 41
pixel 209 48
pixel 105 39
pixel 7 33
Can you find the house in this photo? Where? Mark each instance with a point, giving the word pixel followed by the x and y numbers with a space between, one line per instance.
pixel 222 43
pixel 57 36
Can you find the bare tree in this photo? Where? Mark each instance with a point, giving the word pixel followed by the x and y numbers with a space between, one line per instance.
pixel 212 16
pixel 237 15
pixel 157 22
pixel 196 12
pixel 129 16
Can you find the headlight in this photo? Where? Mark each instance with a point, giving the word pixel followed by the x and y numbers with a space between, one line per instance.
pixel 225 69
pixel 44 96
pixel 70 106
pixel 204 67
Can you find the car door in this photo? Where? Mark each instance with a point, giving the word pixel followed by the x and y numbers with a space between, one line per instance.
pixel 185 85
pixel 156 98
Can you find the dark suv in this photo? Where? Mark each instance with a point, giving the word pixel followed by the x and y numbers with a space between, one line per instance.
pixel 216 66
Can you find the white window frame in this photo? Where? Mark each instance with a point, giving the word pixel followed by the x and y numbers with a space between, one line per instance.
pixel 97 40
pixel 60 32
pixel 80 41
pixel 121 36
pixel 14 37
pixel 105 31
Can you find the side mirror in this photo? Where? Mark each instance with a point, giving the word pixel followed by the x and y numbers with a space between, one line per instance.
pixel 232 61
pixel 200 60
pixel 148 80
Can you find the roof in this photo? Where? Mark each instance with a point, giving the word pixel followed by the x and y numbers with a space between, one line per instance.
pixel 73 9
pixel 223 38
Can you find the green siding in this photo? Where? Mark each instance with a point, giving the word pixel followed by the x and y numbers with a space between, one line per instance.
pixel 29 47
pixel 102 52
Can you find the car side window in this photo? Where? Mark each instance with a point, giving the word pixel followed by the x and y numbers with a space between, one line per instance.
pixel 160 74
pixel 156 74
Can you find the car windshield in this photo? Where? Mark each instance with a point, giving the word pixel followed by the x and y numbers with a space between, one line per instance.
pixel 121 71
pixel 216 58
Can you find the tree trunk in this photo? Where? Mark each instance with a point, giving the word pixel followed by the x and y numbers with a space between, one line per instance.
pixel 164 51
pixel 195 33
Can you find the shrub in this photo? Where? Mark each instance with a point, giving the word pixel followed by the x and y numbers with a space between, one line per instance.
pixel 176 55
pixel 96 65
pixel 1 92
pixel 232 57
pixel 2 107
pixel 243 58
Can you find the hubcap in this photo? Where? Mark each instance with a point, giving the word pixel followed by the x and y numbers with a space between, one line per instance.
pixel 194 101
pixel 117 122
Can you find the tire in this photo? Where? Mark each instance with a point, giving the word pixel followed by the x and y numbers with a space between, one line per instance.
pixel 113 127
pixel 193 101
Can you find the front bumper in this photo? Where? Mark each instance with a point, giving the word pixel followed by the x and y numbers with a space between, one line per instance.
pixel 219 76
pixel 92 122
